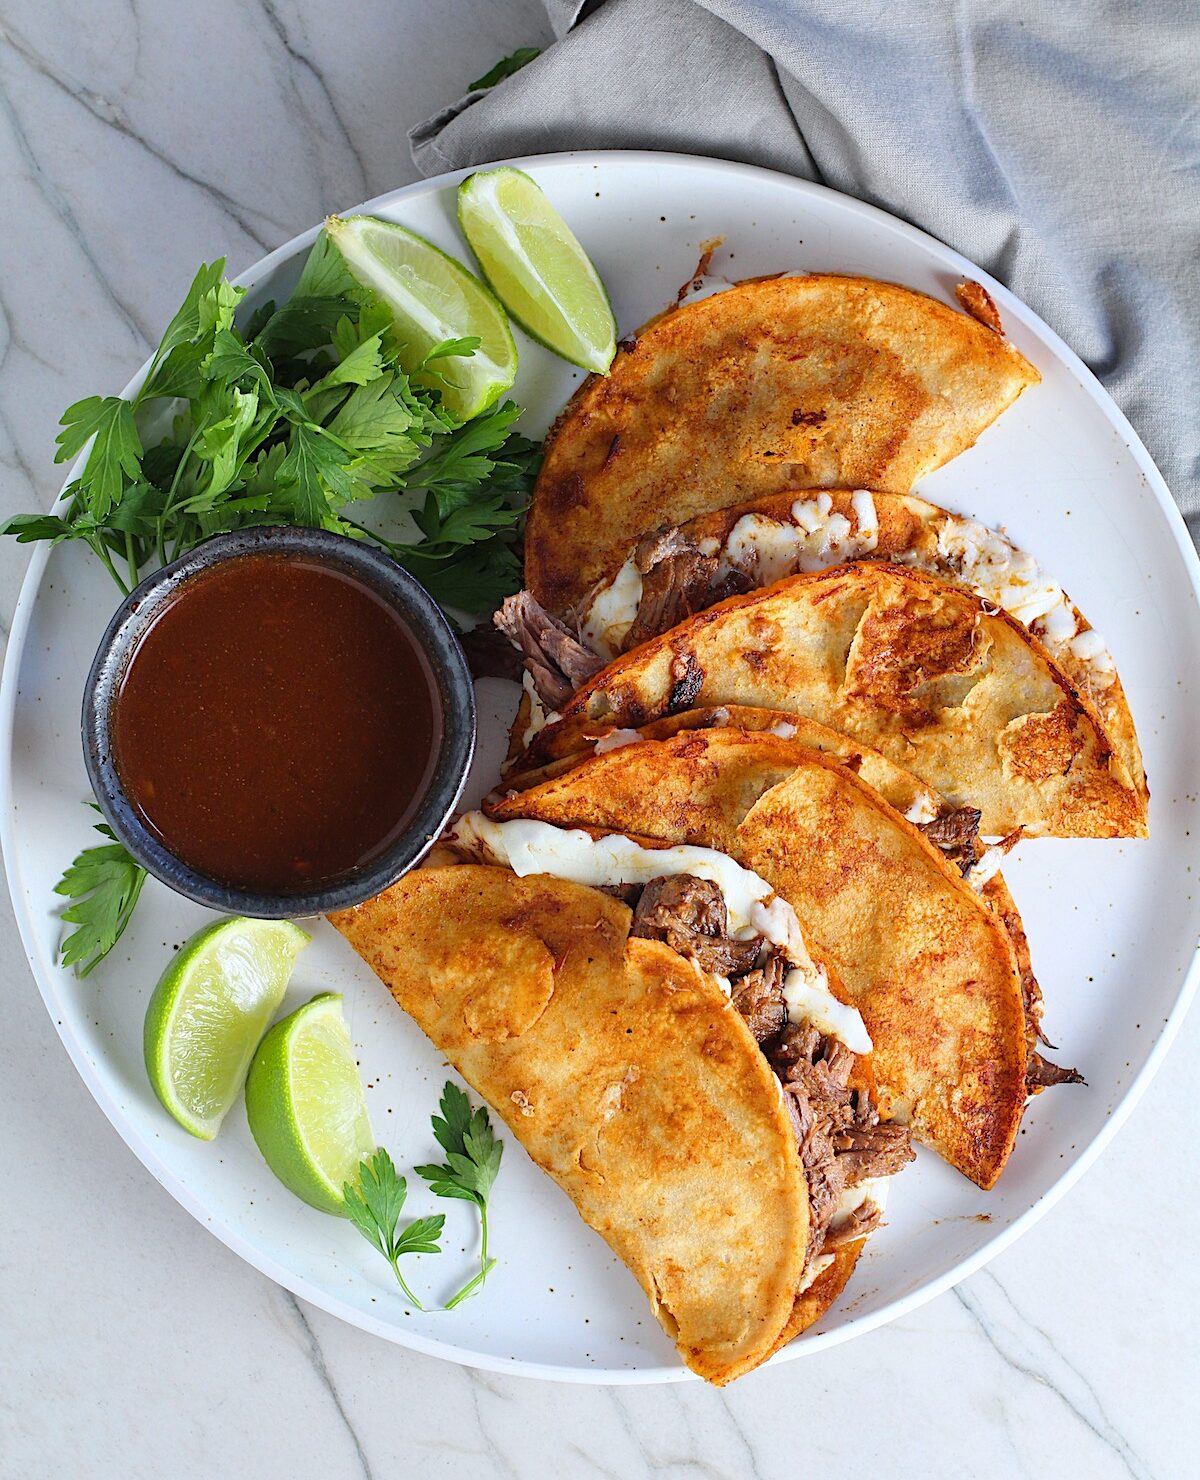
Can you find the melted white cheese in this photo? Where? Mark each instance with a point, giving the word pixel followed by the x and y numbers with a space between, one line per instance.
pixel 769 549
pixel 1013 580
pixel 764 548
pixel 815 1270
pixel 868 520
pixel 614 740
pixel 609 612
pixel 922 810
pixel 707 285
pixel 539 716
pixel 529 847
pixel 988 864
pixel 822 1009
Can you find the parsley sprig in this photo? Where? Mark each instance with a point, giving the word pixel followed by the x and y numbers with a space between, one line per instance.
pixel 473 1156
pixel 506 67
pixel 374 1207
pixel 295 416
pixel 472 1162
pixel 104 884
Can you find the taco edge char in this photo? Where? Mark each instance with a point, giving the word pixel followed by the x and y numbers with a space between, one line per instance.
pixel 940 680
pixel 936 962
pixel 622 1046
pixel 806 380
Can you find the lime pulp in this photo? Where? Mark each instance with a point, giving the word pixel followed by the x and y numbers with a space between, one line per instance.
pixel 537 267
pixel 432 298
pixel 305 1104
pixel 210 1008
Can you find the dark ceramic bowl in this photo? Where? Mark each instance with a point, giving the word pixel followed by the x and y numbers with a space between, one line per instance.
pixel 432 632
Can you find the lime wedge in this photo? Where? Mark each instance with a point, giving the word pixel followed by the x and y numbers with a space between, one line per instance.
pixel 304 1101
pixel 432 299
pixel 536 266
pixel 210 1008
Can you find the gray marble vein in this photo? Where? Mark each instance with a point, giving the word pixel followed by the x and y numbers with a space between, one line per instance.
pixel 1029 1350
pixel 317 1357
pixel 299 68
pixel 58 201
pixel 113 116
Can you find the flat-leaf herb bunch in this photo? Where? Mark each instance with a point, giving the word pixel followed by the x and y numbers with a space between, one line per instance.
pixel 296 417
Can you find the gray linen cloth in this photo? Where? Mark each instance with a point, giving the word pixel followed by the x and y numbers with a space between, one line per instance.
pixel 1057 145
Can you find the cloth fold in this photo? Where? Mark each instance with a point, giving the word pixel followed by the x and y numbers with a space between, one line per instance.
pixel 1058 147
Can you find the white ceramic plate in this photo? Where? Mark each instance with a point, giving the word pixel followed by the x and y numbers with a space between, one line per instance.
pixel 1113 926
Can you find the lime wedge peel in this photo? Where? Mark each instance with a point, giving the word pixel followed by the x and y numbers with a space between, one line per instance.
pixel 537 267
pixel 210 1008
pixel 305 1104
pixel 432 298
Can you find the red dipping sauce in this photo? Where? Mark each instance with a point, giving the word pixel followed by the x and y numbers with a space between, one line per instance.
pixel 277 725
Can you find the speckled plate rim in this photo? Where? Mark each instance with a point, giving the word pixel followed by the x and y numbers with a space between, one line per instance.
pixel 50 983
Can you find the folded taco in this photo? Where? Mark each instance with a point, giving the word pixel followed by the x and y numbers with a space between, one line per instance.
pixel 681 569
pixel 616 1004
pixel 934 959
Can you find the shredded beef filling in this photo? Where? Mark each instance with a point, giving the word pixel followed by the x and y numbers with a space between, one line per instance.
pixel 1040 1074
pixel 839 1136
pixel 690 915
pixel 837 1128
pixel 554 657
pixel 955 834
pixel 865 1219
pixel 758 996
pixel 872 1150
pixel 676 579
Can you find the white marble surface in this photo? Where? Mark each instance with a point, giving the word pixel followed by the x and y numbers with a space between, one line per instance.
pixel 136 138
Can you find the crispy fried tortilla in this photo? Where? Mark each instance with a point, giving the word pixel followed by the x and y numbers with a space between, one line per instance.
pixel 932 676
pixel 928 963
pixel 668 577
pixel 626 1075
pixel 814 381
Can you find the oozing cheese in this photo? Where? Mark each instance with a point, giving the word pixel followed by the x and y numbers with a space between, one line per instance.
pixel 1013 580
pixel 529 847
pixel 707 285
pixel 615 739
pixel 870 1189
pixel 539 716
pixel 922 810
pixel 822 1009
pixel 766 549
pixel 610 611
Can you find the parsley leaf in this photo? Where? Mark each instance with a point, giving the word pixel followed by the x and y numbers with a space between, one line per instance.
pixel 314 476
pixel 105 883
pixel 505 67
pixel 374 1207
pixel 475 581
pixel 472 1161
pixel 115 454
